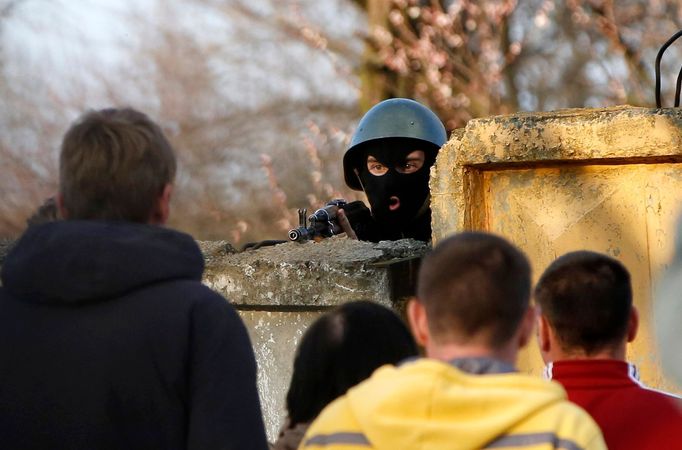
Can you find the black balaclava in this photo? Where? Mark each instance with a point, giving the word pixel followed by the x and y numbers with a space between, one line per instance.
pixel 410 190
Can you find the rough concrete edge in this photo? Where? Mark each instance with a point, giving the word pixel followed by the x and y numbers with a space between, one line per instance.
pixel 572 134
pixel 309 290
pixel 446 184
pixel 292 274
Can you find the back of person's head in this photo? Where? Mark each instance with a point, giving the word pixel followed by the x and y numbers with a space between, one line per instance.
pixel 114 165
pixel 340 349
pixel 474 287
pixel 587 299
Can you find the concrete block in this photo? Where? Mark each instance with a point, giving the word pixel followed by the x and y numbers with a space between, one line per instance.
pixel 608 180
pixel 316 274
pixel 275 336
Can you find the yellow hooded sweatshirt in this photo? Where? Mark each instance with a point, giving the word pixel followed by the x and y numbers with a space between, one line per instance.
pixel 428 404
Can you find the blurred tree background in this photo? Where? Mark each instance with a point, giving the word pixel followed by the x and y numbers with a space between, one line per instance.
pixel 260 96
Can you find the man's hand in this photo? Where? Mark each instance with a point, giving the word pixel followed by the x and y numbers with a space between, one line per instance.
pixel 345 224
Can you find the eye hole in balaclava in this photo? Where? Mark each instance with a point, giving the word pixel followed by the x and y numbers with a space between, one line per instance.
pixel 395 178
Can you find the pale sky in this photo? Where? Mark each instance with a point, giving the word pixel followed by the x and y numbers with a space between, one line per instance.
pixel 61 40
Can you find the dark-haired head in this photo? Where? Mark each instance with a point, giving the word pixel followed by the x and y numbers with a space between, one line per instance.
pixel 586 299
pixel 474 287
pixel 339 350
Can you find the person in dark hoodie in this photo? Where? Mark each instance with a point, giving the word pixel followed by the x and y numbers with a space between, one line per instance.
pixel 108 339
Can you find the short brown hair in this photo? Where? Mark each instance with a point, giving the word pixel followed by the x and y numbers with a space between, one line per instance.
pixel 587 299
pixel 474 284
pixel 114 164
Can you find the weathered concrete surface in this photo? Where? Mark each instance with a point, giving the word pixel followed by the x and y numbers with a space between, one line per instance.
pixel 573 134
pixel 667 313
pixel 311 274
pixel 618 135
pixel 275 336
pixel 608 180
pixel 280 290
pixel 5 246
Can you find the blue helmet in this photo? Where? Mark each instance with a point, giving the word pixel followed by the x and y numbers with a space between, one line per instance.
pixel 392 118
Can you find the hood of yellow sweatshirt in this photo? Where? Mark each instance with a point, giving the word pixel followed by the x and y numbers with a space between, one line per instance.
pixel 423 404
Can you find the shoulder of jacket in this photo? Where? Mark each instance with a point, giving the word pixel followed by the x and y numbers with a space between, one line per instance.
pixel 574 424
pixel 335 428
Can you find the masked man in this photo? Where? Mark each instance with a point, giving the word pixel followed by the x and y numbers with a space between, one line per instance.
pixel 389 159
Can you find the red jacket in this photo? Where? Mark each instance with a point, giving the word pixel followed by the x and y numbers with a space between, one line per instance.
pixel 630 415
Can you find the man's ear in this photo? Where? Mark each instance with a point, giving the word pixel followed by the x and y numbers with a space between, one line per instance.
pixel 544 331
pixel 59 200
pixel 416 316
pixel 633 324
pixel 161 211
pixel 527 326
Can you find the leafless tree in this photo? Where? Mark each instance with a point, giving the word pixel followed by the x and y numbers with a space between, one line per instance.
pixel 254 95
pixel 473 58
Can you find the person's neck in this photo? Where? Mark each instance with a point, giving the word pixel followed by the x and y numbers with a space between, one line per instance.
pixel 616 353
pixel 449 352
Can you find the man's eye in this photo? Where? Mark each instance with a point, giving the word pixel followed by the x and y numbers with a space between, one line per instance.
pixel 376 168
pixel 409 167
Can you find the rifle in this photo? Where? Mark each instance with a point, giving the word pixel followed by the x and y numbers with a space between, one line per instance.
pixel 323 222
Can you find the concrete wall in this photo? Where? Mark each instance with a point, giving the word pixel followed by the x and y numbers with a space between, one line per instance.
pixel 608 180
pixel 281 290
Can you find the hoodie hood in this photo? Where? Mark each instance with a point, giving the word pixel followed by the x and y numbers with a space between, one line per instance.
pixel 443 402
pixel 82 261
